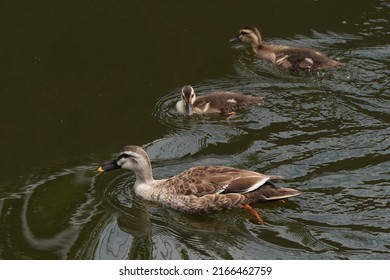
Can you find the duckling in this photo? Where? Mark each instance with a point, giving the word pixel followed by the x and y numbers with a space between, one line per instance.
pixel 224 102
pixel 295 59
pixel 200 189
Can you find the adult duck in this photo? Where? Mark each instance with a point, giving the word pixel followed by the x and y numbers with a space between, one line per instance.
pixel 200 189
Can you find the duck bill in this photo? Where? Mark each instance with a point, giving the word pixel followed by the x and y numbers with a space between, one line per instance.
pixel 188 108
pixel 108 167
pixel 235 39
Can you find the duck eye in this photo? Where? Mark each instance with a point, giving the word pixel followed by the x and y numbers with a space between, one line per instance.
pixel 124 155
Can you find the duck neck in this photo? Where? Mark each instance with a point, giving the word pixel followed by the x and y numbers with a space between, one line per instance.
pixel 257 44
pixel 257 47
pixel 144 174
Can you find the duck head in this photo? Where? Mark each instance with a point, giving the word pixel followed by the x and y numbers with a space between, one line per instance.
pixel 128 158
pixel 133 158
pixel 248 34
pixel 188 98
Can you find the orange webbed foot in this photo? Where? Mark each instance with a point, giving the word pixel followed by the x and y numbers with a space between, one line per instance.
pixel 254 213
pixel 282 201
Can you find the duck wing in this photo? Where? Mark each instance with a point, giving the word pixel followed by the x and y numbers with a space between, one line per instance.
pixel 225 102
pixel 303 58
pixel 202 180
pixel 216 102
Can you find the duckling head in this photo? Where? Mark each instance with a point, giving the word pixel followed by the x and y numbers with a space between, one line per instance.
pixel 249 34
pixel 188 98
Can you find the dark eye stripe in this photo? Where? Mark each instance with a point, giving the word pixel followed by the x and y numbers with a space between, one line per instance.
pixel 124 155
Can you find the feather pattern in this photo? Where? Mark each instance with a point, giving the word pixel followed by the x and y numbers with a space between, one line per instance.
pixel 200 189
pixel 224 102
pixel 287 57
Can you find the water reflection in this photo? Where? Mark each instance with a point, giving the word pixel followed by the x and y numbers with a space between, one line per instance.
pixel 327 133
pixel 49 224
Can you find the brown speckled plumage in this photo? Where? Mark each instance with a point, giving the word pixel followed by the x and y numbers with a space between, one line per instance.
pixel 287 57
pixel 224 102
pixel 200 189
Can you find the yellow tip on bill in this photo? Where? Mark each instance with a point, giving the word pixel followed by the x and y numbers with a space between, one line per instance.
pixel 100 169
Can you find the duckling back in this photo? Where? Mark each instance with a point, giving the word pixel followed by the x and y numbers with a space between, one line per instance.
pixel 224 102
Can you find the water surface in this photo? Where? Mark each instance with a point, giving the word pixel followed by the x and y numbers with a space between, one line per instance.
pixel 80 80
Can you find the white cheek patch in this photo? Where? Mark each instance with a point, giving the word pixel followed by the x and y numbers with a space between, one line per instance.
pixel 121 162
pixel 128 163
pixel 180 107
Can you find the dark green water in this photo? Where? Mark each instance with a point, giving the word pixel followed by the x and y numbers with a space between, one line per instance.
pixel 81 79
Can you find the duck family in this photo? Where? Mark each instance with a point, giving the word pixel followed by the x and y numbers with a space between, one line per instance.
pixel 208 189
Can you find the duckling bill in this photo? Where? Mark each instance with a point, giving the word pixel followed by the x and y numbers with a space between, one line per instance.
pixel 200 189
pixel 224 102
pixel 292 58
